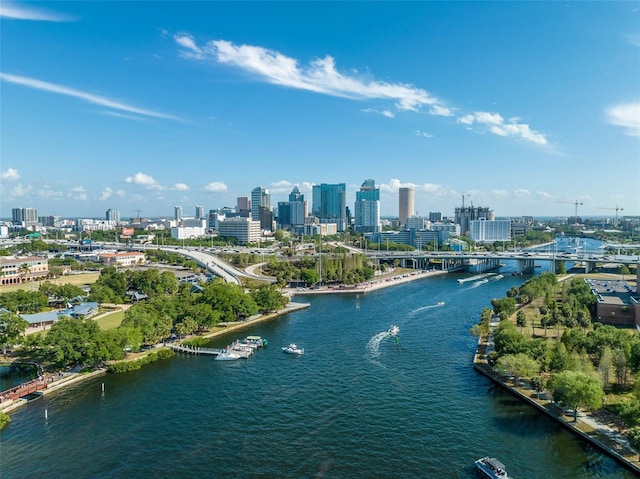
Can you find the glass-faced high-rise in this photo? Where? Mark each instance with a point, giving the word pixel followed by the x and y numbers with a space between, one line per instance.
pixel 367 208
pixel 260 198
pixel 330 204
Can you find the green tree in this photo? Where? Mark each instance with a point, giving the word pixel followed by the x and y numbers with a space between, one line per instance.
pixel 71 342
pixel 576 389
pixel 538 383
pixel 521 319
pixel 517 365
pixel 12 327
pixel 633 436
pixel 268 298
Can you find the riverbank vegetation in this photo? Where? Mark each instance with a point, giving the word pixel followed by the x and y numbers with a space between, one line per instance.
pixel 170 308
pixel 581 364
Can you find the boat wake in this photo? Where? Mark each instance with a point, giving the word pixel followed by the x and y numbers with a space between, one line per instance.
pixel 429 306
pixel 373 346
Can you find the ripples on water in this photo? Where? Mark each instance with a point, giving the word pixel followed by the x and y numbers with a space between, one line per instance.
pixel 358 404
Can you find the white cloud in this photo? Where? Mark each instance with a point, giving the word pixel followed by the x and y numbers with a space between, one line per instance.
pixel 142 179
pixel 19 190
pixel 320 75
pixel 88 97
pixel 19 11
pixel 192 50
pixel 121 193
pixel 440 110
pixel 522 193
pixel 180 187
pixel 626 115
pixel 10 174
pixel 543 194
pixel 424 134
pixel 216 187
pixel 78 193
pixel 496 124
pixel 105 194
pixel 394 185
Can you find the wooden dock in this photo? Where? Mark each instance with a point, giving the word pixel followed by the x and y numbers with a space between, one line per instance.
pixel 194 349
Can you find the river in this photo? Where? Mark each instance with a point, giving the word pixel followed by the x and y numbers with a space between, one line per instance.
pixel 358 404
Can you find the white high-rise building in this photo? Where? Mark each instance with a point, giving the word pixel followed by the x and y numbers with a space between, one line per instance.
pixel 177 210
pixel 487 231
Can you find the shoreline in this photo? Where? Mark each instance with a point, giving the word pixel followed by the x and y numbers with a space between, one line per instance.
pixel 226 328
pixel 608 439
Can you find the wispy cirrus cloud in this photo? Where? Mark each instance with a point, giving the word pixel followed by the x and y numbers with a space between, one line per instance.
pixel 20 11
pixel 322 76
pixel 626 115
pixel 88 97
pixel 319 76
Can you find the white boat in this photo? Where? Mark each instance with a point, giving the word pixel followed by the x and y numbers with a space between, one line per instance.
pixel 293 349
pixel 440 303
pixel 227 356
pixel 393 330
pixel 492 468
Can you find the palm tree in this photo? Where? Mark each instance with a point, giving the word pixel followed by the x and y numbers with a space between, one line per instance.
pixel 24 269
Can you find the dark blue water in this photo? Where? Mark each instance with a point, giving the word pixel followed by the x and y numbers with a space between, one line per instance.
pixel 356 405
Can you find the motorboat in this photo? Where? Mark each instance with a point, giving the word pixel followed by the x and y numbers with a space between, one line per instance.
pixel 227 355
pixel 393 330
pixel 440 303
pixel 293 349
pixel 492 468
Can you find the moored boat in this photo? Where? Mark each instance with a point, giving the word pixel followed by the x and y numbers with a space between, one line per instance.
pixel 227 356
pixel 293 349
pixel 492 468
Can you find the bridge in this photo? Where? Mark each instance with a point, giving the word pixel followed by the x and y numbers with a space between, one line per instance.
pixel 485 261
pixel 23 390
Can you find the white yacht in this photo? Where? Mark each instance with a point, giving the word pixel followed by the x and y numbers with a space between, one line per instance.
pixel 491 468
pixel 293 349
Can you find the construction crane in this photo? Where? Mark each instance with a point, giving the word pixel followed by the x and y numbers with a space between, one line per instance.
pixel 137 218
pixel 616 208
pixel 575 203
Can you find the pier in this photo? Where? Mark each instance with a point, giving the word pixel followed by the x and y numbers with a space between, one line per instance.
pixel 194 349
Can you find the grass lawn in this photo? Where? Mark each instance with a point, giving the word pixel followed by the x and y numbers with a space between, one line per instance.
pixel 110 320
pixel 79 280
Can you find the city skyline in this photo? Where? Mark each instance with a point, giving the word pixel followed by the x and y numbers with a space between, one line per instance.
pixel 525 108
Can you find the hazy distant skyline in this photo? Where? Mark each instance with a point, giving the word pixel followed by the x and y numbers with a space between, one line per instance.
pixel 523 107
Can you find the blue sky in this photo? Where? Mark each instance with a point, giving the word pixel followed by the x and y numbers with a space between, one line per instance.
pixel 523 107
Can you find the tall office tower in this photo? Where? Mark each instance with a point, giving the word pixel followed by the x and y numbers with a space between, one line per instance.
pixel 243 203
pixel 298 207
pixel 367 208
pixel 113 215
pixel 405 204
pixel 260 198
pixel 24 216
pixel 199 212
pixel 330 204
pixel 17 216
pixel 177 213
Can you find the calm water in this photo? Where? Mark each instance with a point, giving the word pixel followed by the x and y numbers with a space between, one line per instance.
pixel 356 405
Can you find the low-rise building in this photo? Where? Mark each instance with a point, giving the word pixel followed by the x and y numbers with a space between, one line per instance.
pixel 122 259
pixel 23 269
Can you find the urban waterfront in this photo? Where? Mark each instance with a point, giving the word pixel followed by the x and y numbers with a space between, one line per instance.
pixel 357 404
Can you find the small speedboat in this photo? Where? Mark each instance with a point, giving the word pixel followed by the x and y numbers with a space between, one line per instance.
pixel 293 349
pixel 229 355
pixel 393 330
pixel 440 303
pixel 491 468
